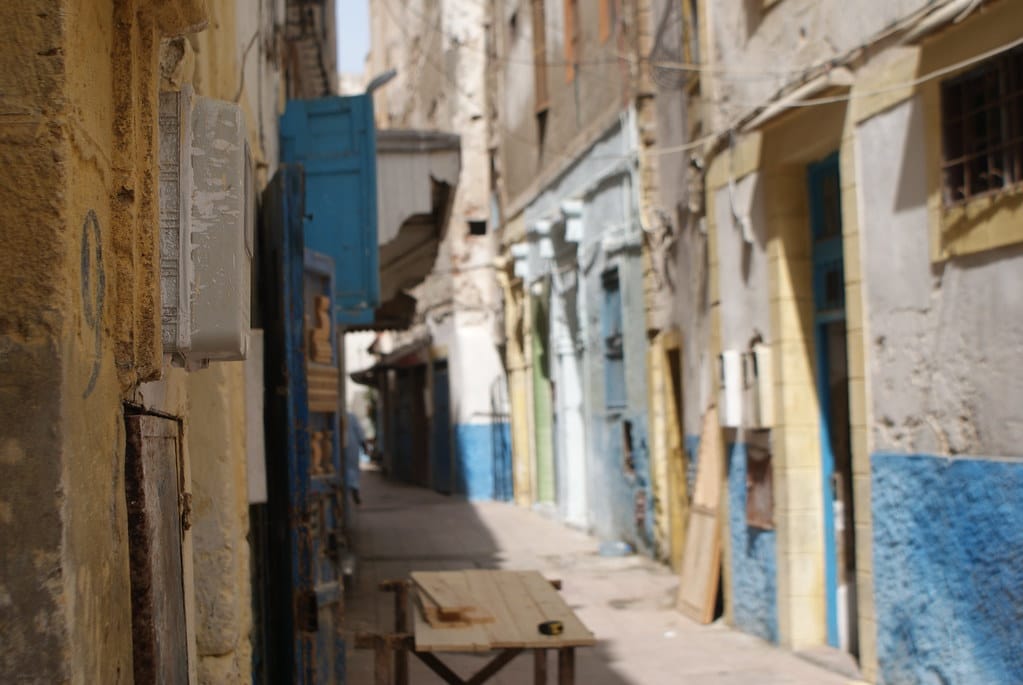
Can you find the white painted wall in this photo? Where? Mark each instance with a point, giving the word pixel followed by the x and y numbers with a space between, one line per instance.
pixel 946 339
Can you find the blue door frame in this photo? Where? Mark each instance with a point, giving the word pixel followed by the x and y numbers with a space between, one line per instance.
pixel 302 620
pixel 828 275
pixel 440 452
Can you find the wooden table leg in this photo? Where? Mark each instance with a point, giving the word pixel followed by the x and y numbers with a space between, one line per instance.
pixel 382 663
pixel 401 626
pixel 566 666
pixel 539 667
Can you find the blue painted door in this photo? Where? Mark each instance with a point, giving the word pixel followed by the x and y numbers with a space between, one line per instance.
pixel 828 273
pixel 335 141
pixel 303 445
pixel 440 428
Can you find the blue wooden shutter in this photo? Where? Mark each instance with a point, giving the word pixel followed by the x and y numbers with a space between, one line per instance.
pixel 335 141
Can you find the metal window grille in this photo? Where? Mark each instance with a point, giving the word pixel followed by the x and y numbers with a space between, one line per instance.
pixel 982 122
pixel 541 94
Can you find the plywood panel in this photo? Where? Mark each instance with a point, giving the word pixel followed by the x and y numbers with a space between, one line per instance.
pixel 709 471
pixel 701 558
pixel 517 601
pixel 446 589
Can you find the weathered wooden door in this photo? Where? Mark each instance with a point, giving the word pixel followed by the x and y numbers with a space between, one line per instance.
pixel 158 513
pixel 304 444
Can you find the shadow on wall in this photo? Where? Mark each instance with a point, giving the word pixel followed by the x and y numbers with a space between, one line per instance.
pixel 401 528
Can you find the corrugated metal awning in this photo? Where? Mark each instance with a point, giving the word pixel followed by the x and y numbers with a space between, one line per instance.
pixel 417 174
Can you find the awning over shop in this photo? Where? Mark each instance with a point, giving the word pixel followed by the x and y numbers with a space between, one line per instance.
pixel 417 173
pixel 412 353
pixel 395 314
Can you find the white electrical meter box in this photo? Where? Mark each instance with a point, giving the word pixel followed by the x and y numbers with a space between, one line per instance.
pixel 731 391
pixel 207 222
pixel 572 210
pixel 759 387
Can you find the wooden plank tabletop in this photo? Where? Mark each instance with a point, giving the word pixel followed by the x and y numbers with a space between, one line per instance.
pixel 519 601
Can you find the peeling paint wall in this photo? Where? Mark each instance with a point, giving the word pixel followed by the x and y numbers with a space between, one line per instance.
pixel 944 335
pixel 754 565
pixel 765 46
pixel 439 51
pixel 946 341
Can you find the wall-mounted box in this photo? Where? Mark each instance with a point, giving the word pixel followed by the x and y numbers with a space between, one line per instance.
pixel 207 220
pixel 731 391
pixel 759 387
pixel 572 211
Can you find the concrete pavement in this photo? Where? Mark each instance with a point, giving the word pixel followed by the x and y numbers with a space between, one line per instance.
pixel 627 602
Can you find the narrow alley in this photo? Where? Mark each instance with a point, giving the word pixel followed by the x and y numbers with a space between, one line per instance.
pixel 625 341
pixel 628 602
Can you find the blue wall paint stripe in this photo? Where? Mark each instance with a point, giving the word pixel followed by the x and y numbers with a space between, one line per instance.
pixel 483 468
pixel 948 568
pixel 754 558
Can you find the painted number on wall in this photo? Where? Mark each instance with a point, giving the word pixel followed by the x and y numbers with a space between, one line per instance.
pixel 94 282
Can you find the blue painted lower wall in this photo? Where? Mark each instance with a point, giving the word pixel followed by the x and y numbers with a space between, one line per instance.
pixel 483 469
pixel 948 569
pixel 754 558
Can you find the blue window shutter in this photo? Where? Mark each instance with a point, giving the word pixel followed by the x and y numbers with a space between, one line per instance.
pixel 614 342
pixel 335 141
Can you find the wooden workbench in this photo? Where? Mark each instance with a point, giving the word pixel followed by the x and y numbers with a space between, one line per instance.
pixel 513 604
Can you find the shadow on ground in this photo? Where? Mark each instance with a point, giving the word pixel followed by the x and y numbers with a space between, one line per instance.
pixel 401 528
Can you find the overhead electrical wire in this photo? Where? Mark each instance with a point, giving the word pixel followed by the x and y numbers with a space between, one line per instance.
pixel 774 101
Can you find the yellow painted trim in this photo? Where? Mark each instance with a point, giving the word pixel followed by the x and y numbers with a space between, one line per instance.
pixel 736 162
pixel 895 66
pixel 678 507
pixel 984 223
pixel 671 339
pixel 514 230
pixel 657 417
pixel 857 337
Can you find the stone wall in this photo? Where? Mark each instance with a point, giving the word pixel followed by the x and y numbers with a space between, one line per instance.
pixel 78 141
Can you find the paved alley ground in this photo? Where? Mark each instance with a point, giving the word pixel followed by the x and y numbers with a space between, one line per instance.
pixel 627 602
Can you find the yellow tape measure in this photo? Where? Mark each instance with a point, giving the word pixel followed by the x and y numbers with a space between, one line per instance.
pixel 552 627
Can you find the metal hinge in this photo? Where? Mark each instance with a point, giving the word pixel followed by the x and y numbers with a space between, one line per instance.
pixel 185 504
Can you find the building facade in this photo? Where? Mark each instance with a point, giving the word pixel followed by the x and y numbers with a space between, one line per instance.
pixel 93 392
pixel 567 113
pixel 443 375
pixel 859 194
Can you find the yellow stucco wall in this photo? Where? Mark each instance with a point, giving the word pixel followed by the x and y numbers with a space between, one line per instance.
pixel 780 152
pixel 78 89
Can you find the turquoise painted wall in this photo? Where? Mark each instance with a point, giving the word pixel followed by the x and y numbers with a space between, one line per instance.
pixel 754 558
pixel 483 468
pixel 948 569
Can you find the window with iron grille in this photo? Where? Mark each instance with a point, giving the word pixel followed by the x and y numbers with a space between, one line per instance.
pixel 541 95
pixel 982 123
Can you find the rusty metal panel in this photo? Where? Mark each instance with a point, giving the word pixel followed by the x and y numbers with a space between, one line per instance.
pixel 759 480
pixel 156 516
